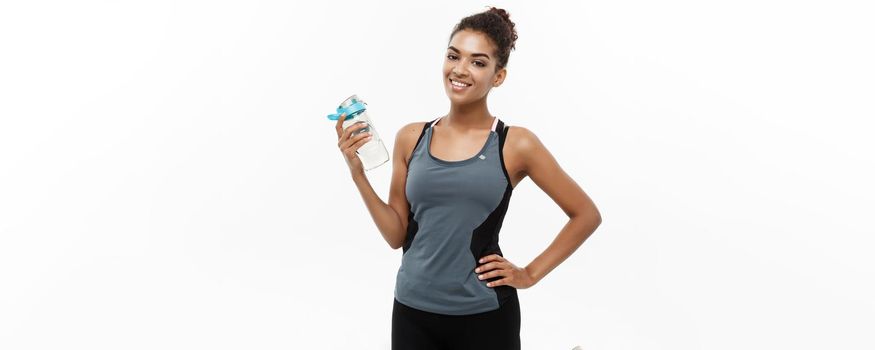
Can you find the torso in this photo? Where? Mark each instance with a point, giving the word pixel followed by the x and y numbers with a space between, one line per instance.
pixel 451 146
pixel 457 195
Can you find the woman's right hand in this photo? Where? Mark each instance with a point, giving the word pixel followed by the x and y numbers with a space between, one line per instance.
pixel 350 144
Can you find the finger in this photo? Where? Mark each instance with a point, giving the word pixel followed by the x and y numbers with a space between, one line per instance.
pixel 351 149
pixel 493 273
pixel 487 267
pixel 339 125
pixel 351 142
pixel 348 133
pixel 490 257
pixel 363 140
pixel 497 283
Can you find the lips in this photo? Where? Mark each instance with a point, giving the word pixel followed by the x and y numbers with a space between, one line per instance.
pixel 458 87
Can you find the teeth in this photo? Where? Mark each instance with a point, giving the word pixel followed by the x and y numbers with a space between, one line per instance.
pixel 456 83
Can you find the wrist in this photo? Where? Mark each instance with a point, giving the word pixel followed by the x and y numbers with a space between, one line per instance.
pixel 532 275
pixel 357 175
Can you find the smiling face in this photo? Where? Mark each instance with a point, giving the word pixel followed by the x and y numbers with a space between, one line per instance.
pixel 470 59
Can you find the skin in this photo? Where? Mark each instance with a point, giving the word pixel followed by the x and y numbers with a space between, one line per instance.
pixel 459 135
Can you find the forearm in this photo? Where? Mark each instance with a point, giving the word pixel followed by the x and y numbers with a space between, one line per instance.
pixel 572 235
pixel 387 220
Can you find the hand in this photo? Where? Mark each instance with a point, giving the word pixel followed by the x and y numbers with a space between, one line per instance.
pixel 349 144
pixel 496 265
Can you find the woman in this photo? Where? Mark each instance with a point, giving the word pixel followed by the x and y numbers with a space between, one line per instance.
pixel 452 179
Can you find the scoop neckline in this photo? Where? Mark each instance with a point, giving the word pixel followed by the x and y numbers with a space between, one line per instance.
pixel 456 162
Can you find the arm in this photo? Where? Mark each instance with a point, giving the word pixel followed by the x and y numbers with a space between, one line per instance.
pixel 391 218
pixel 583 215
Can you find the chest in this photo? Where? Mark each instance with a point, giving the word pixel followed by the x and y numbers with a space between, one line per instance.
pixel 453 147
pixel 450 146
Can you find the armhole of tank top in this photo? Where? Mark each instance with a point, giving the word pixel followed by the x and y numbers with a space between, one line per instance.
pixel 502 136
pixel 421 134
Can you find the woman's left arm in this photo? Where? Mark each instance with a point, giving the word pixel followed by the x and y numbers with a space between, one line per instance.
pixel 583 215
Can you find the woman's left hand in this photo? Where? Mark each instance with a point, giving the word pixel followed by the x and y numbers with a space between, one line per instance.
pixel 496 265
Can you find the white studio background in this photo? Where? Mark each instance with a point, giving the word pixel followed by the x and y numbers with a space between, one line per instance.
pixel 168 179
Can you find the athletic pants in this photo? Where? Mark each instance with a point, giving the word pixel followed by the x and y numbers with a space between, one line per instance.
pixel 414 329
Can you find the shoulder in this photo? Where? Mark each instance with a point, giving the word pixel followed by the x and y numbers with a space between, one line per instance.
pixel 406 138
pixel 409 133
pixel 522 140
pixel 412 128
pixel 525 147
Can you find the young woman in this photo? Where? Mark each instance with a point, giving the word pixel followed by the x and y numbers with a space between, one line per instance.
pixel 452 180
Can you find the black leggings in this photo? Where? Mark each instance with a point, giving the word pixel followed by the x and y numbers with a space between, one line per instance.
pixel 414 329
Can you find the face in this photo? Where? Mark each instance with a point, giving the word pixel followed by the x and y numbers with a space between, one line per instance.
pixel 470 59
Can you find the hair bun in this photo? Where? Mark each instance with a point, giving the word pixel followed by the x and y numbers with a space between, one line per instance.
pixel 499 11
pixel 506 17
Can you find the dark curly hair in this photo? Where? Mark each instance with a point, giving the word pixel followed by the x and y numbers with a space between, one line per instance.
pixel 496 24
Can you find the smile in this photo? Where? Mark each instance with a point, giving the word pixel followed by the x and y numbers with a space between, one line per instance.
pixel 458 86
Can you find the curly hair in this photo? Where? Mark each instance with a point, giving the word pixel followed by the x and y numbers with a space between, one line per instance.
pixel 496 24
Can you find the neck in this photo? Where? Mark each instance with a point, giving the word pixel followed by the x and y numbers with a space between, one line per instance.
pixel 465 117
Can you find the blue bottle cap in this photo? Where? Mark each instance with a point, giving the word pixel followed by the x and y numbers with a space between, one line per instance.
pixel 351 111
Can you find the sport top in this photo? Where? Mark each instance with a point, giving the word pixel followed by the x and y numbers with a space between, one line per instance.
pixel 456 211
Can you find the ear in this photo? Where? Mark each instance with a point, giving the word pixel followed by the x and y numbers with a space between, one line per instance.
pixel 499 77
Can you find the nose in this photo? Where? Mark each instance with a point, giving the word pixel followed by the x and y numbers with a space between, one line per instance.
pixel 459 70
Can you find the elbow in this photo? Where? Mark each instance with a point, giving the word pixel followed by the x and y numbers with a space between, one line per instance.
pixel 396 244
pixel 592 215
pixel 402 236
pixel 596 216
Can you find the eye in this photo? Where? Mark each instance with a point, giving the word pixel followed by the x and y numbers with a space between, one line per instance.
pixel 451 56
pixel 480 63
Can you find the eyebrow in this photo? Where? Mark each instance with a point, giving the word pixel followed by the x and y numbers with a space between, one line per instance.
pixel 473 54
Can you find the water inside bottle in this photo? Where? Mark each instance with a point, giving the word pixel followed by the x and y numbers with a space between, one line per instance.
pixel 373 153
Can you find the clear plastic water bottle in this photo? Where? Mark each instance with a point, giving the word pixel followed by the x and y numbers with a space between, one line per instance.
pixel 373 153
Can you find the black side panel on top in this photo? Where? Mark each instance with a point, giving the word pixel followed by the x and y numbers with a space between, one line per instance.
pixel 484 240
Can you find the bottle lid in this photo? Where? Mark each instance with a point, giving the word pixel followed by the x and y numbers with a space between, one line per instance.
pixel 351 111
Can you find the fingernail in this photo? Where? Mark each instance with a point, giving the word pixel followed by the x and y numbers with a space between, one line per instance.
pixel 477 270
pixel 481 260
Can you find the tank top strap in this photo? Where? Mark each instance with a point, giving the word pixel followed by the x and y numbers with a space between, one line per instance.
pixel 501 129
pixel 419 140
pixel 425 128
pixel 502 136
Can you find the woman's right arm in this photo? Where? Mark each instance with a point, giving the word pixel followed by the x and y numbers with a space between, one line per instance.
pixel 391 219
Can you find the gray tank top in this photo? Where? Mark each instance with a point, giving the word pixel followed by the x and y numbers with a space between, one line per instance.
pixel 456 211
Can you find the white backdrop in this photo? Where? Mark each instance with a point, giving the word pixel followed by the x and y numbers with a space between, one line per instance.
pixel 168 179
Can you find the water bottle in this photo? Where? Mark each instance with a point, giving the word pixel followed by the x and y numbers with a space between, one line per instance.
pixel 373 153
